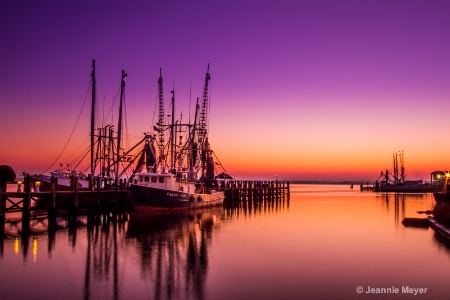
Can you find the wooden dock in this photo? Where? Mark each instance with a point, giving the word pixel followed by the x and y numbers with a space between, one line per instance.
pixel 257 191
pixel 30 204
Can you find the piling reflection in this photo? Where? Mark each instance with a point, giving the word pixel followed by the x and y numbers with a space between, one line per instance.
pixel 174 250
pixel 412 206
pixel 102 252
pixel 252 207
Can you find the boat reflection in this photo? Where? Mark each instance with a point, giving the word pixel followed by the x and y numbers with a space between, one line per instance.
pixel 174 250
pixel 174 247
pixel 413 206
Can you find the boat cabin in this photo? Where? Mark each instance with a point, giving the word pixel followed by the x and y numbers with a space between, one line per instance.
pixel 166 181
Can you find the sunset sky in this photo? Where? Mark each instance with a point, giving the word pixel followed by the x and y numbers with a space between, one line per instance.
pixel 307 90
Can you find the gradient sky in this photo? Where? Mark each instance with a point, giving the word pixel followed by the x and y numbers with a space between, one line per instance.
pixel 300 89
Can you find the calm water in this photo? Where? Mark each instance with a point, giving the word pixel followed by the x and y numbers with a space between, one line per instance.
pixel 325 243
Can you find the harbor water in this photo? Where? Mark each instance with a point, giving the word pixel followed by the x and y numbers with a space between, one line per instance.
pixel 327 241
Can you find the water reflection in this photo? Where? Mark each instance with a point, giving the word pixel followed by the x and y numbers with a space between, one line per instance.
pixel 403 205
pixel 174 250
pixel 247 208
pixel 315 247
pixel 413 206
pixel 102 252
pixel 174 247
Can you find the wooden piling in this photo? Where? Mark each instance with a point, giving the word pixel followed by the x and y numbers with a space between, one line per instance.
pixel 26 205
pixel 53 186
pixel 2 211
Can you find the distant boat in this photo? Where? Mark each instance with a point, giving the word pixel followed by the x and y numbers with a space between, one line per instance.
pixel 388 182
pixel 183 174
pixel 65 180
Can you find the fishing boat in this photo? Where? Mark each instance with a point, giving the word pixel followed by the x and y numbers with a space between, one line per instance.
pixel 105 157
pixel 65 180
pixel 180 171
pixel 395 182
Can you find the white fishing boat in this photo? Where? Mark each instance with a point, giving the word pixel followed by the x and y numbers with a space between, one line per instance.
pixel 179 173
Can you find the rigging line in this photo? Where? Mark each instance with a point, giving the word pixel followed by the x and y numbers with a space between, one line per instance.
pixel 79 158
pixel 209 104
pixel 112 106
pixel 76 151
pixel 79 162
pixel 190 100
pixel 73 129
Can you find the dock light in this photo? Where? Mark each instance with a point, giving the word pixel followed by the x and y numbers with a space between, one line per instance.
pixel 38 183
pixel 19 186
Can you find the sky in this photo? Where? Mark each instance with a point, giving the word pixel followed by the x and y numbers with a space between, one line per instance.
pixel 299 90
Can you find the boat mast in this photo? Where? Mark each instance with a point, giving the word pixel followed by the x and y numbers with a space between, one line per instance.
pixel 402 168
pixel 395 168
pixel 161 119
pixel 172 133
pixel 203 114
pixel 93 117
pixel 193 157
pixel 202 131
pixel 119 128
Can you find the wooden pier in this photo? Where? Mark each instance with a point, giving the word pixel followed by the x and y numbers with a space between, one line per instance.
pixel 32 204
pixel 257 191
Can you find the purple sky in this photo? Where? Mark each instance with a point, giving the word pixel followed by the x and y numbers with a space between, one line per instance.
pixel 301 89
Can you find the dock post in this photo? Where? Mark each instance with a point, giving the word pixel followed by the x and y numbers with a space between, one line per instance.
pixel 2 213
pixel 52 208
pixel 288 191
pixel 91 182
pixel 276 189
pixel 26 208
pixel 98 202
pixel 73 203
pixel 75 189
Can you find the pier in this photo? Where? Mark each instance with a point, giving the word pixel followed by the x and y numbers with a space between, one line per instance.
pixel 257 191
pixel 33 204
pixel 109 201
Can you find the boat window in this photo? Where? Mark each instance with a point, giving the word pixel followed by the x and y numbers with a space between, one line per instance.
pixel 161 179
pixel 141 179
pixel 154 179
pixel 146 179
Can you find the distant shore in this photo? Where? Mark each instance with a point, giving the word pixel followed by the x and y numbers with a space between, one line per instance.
pixel 330 182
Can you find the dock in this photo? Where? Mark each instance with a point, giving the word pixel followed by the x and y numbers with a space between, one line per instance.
pixel 112 202
pixel 257 191
pixel 31 204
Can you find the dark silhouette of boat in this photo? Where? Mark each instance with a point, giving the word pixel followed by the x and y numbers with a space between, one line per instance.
pixel 180 172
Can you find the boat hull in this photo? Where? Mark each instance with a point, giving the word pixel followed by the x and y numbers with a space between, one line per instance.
pixel 147 198
pixel 406 188
pixel 63 184
pixel 441 196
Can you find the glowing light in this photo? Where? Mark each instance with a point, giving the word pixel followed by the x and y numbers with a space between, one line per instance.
pixel 19 186
pixel 35 246
pixel 16 245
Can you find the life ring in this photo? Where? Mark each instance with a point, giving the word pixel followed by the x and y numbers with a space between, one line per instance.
pixel 192 199
pixel 199 199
